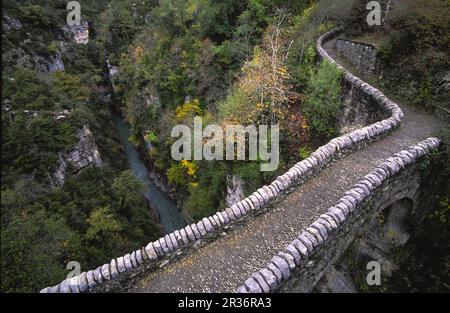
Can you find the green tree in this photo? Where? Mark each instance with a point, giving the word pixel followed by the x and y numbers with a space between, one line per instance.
pixel 103 225
pixel 34 247
pixel 176 174
pixel 122 25
pixel 69 87
pixel 129 190
pixel 206 195
pixel 27 90
pixel 323 102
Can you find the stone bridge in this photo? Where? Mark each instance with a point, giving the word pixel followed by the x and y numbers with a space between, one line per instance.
pixel 285 235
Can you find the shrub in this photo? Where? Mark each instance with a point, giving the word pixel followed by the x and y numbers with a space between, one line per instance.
pixel 33 247
pixel 250 173
pixel 445 137
pixel 176 174
pixel 424 94
pixel 206 194
pixel 304 152
pixel 326 26
pixel 385 51
pixel 235 103
pixel 151 137
pixel 323 102
pixel 188 110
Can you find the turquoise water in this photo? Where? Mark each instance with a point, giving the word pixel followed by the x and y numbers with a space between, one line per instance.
pixel 171 217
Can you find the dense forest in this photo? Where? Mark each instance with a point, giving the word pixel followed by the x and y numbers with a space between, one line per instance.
pixel 229 62
pixel 99 211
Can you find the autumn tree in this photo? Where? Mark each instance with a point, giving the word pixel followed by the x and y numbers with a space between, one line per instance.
pixel 265 83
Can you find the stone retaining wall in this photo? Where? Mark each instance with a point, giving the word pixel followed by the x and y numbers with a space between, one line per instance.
pixel 442 113
pixel 299 266
pixel 358 109
pixel 362 55
pixel 115 274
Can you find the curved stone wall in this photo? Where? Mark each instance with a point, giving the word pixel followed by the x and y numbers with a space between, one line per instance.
pixel 362 55
pixel 300 265
pixel 358 110
pixel 114 274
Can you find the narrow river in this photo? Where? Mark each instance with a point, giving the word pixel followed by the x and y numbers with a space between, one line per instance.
pixel 171 217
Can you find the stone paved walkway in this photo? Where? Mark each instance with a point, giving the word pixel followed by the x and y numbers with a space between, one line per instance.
pixel 226 263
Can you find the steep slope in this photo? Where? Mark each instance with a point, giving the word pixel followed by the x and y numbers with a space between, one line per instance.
pixel 224 264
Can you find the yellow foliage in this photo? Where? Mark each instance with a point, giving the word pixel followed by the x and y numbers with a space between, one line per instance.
pixel 191 167
pixel 194 184
pixel 307 13
pixel 300 21
pixel 327 26
pixel 283 71
pixel 138 51
pixel 188 109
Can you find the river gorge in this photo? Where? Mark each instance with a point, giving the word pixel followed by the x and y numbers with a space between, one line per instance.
pixel 171 218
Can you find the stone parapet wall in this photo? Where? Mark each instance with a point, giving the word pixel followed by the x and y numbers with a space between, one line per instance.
pixel 301 264
pixel 117 273
pixel 298 266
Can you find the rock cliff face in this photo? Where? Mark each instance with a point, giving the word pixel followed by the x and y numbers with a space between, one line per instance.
pixel 79 33
pixel 48 62
pixel 386 236
pixel 234 190
pixel 112 71
pixel 40 63
pixel 336 281
pixel 84 154
pixel 10 23
pixel 56 63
